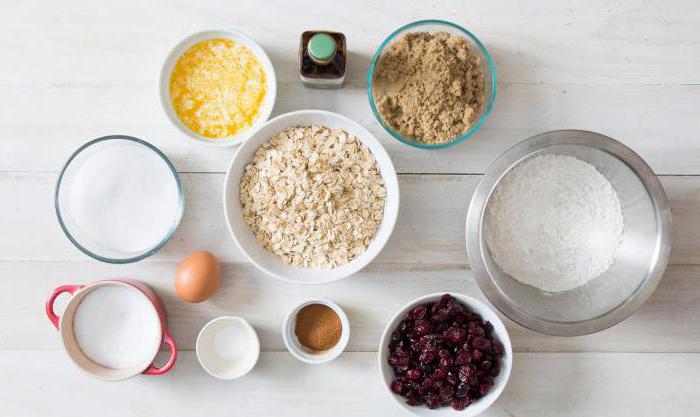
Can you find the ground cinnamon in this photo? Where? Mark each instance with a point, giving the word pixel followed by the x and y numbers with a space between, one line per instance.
pixel 318 327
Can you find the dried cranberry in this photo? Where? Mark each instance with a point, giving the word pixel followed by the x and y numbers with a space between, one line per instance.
pixel 452 378
pixel 497 348
pixel 441 315
pixel 463 358
pixel 432 402
pixel 422 327
pixel 460 403
pixel 404 326
pixel 399 360
pixel 425 368
pixel 443 354
pixel 475 329
pixel 418 312
pixel 482 343
pixel 445 298
pixel 427 355
pixel 440 373
pixel 466 371
pixel 429 340
pixel 461 391
pixel 413 374
pixel 400 370
pixel 414 401
pixel 455 335
pixel 396 387
pixel 446 361
pixel 447 393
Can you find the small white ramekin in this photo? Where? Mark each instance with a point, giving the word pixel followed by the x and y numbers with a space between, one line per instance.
pixel 218 366
pixel 187 43
pixel 307 355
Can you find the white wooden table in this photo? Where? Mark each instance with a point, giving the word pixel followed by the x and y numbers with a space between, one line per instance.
pixel 76 70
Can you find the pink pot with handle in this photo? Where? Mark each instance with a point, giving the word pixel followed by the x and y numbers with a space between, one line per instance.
pixel 64 324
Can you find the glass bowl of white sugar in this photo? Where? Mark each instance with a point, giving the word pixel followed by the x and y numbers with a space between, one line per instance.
pixel 568 233
pixel 119 199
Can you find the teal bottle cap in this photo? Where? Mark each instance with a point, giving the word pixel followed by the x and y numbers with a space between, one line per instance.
pixel 321 47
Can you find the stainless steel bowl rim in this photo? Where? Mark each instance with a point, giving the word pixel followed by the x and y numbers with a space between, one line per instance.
pixel 523 150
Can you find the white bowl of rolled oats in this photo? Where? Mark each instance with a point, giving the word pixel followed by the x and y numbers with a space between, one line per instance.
pixel 311 197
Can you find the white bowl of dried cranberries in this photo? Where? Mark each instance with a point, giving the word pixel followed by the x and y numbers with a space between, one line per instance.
pixel 445 355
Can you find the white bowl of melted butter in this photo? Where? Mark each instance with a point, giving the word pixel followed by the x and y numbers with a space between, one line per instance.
pixel 218 87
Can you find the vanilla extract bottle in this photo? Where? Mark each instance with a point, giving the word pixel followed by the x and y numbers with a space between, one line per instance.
pixel 322 59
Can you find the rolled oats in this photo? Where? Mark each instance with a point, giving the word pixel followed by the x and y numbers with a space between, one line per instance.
pixel 313 196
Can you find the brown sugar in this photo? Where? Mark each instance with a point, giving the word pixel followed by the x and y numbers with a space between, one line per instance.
pixel 429 87
pixel 318 327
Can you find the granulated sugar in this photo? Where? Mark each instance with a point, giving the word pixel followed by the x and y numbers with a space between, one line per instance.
pixel 554 222
pixel 117 327
pixel 124 197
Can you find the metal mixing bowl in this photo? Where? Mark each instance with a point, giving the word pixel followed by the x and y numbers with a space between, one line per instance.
pixel 640 261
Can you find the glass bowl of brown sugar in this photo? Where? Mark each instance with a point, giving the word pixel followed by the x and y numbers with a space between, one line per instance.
pixel 431 84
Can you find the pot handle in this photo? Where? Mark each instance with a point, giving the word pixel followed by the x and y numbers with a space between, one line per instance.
pixel 153 370
pixel 53 317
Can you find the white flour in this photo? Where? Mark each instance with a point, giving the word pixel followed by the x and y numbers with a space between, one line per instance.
pixel 554 222
pixel 117 327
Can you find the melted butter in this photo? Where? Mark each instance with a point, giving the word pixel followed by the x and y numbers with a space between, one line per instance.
pixel 217 88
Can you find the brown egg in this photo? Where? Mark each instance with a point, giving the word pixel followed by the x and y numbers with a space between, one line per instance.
pixel 197 277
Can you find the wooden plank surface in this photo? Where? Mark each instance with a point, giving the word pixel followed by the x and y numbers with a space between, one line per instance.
pixel 542 385
pixel 630 70
pixel 666 323
pixel 657 121
pixel 75 70
pixel 430 228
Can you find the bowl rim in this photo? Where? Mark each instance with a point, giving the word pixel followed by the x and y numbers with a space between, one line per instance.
pixel 145 254
pixel 253 337
pixel 164 85
pixel 290 340
pixel 499 327
pixel 476 248
pixel 388 221
pixel 491 97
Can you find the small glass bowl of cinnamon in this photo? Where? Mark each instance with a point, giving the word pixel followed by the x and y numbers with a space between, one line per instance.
pixel 316 331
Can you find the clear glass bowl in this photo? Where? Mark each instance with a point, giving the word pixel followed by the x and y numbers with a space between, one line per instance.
pixel 477 48
pixel 80 239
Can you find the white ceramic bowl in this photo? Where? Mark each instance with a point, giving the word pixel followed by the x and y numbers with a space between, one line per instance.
pixel 216 350
pixel 499 382
pixel 244 237
pixel 306 355
pixel 188 42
